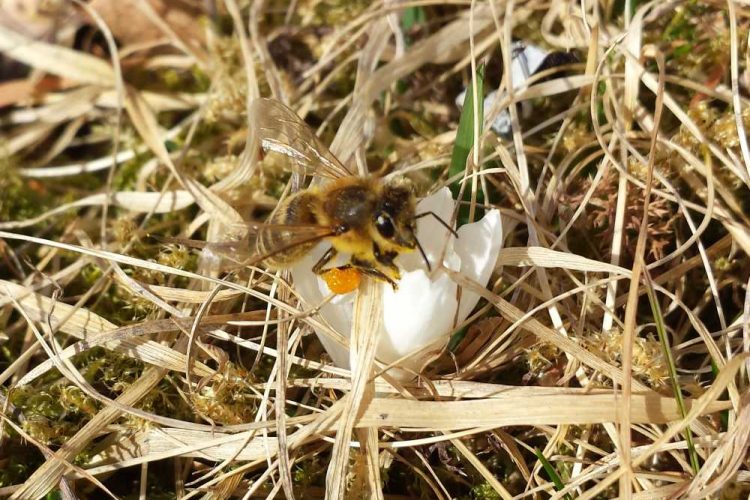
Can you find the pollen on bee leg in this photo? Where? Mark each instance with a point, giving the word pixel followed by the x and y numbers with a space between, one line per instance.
pixel 342 281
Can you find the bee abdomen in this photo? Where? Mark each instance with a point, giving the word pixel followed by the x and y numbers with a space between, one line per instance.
pixel 278 243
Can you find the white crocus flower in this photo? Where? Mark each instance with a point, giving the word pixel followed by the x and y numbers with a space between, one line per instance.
pixel 424 309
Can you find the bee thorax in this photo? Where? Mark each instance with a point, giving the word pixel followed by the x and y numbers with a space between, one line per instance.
pixel 349 206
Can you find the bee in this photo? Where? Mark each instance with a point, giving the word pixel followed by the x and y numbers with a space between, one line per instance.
pixel 371 218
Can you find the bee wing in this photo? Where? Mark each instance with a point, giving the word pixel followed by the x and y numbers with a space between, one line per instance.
pixel 236 251
pixel 280 130
pixel 246 252
pixel 274 239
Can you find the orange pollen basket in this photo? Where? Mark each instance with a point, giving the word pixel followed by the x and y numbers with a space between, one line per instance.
pixel 342 281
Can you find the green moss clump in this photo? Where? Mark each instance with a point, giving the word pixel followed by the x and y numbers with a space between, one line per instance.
pixel 53 413
pixel 484 491
pixel 18 462
pixel 21 199
pixel 227 398
pixel 308 474
pixel 126 175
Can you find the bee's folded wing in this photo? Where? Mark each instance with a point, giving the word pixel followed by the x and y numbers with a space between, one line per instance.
pixel 281 131
pixel 235 251
pixel 262 241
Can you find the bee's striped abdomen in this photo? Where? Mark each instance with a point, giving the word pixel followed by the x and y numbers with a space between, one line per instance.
pixel 298 209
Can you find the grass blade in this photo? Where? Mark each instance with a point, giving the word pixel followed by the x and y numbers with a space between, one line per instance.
pixel 552 473
pixel 661 331
pixel 465 132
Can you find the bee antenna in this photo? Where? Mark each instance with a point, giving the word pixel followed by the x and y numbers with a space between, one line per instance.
pixel 441 221
pixel 424 255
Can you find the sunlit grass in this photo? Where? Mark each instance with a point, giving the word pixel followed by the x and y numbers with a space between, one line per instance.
pixel 128 357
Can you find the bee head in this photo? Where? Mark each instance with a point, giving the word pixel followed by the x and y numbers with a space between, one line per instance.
pixel 394 216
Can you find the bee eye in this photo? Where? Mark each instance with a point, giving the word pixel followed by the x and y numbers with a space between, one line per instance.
pixel 384 224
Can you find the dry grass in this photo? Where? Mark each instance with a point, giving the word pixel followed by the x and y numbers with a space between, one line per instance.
pixel 612 339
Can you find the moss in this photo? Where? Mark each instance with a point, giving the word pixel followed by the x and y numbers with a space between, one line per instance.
pixel 21 198
pixel 330 12
pixel 307 474
pixel 53 413
pixel 55 409
pixel 165 400
pixel 695 40
pixel 18 461
pixel 649 364
pixel 126 174
pixel 227 398
pixel 484 491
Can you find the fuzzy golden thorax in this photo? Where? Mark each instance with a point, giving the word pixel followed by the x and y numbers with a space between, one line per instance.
pixel 374 221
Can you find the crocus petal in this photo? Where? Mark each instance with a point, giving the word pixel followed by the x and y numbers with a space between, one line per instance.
pixel 337 313
pixel 432 235
pixel 422 311
pixel 417 313
pixel 478 246
pixel 526 59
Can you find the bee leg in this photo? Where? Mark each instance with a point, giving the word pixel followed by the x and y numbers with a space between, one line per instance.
pixel 386 268
pixel 367 268
pixel 325 259
pixel 379 275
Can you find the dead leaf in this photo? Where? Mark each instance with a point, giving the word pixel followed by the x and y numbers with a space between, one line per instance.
pixel 130 25
pixel 17 91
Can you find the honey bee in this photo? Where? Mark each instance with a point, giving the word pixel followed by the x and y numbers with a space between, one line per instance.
pixel 370 218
